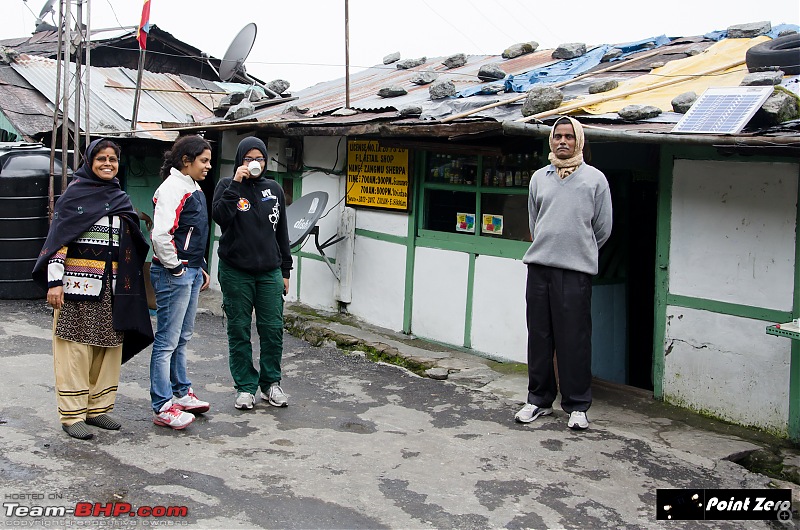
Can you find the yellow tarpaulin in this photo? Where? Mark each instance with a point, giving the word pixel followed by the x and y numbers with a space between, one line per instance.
pixel 724 52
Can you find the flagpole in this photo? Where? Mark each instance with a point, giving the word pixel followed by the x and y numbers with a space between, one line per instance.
pixel 141 37
pixel 136 95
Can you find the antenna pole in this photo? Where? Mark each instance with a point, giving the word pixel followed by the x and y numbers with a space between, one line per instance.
pixel 79 49
pixel 66 89
pixel 56 99
pixel 88 90
pixel 346 54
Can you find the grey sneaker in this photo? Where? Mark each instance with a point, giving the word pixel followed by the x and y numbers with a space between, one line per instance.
pixel 578 420
pixel 244 401
pixel 275 397
pixel 530 412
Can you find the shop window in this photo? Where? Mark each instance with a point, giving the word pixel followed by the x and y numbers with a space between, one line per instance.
pixel 484 196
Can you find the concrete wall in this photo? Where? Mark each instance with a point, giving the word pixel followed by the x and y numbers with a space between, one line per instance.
pixel 727 366
pixel 732 240
pixel 498 308
pixel 440 295
pixel 379 282
pixel 733 232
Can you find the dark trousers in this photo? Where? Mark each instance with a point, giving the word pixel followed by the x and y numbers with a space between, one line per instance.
pixel 243 292
pixel 559 316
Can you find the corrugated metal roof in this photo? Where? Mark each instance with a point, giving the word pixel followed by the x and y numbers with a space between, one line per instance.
pixel 23 105
pixel 364 85
pixel 326 97
pixel 316 104
pixel 164 98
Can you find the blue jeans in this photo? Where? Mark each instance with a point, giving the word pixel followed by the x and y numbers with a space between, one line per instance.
pixel 176 305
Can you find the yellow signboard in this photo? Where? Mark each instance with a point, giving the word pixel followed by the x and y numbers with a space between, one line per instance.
pixel 377 177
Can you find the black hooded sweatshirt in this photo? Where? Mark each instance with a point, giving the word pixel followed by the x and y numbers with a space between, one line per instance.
pixel 252 217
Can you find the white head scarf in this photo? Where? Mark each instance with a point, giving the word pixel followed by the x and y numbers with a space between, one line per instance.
pixel 566 167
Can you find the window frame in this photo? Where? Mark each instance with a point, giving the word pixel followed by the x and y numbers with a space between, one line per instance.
pixel 474 243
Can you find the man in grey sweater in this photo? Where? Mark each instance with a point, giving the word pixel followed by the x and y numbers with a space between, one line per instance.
pixel 569 206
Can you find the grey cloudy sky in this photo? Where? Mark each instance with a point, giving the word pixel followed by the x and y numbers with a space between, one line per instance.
pixel 303 41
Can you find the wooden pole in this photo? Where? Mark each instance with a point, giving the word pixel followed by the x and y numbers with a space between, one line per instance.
pixel 136 95
pixel 556 85
pixel 585 103
pixel 175 90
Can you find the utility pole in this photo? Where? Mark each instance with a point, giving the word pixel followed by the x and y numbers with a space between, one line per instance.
pixel 346 54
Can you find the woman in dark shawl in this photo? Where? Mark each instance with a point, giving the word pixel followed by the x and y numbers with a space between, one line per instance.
pixel 91 267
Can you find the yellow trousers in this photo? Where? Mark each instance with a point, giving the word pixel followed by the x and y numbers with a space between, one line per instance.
pixel 87 378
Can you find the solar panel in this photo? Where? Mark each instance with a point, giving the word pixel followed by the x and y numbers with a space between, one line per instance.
pixel 723 110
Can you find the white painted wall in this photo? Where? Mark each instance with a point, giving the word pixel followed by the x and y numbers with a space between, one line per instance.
pixel 727 366
pixel 733 232
pixel 732 240
pixel 392 223
pixel 316 285
pixel 379 271
pixel 325 152
pixel 498 308
pixel 440 295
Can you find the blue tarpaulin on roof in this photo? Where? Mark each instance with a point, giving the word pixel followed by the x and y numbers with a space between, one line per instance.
pixel 568 68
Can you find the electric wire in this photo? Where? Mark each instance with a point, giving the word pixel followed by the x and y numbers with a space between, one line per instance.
pixel 452 26
pixel 114 12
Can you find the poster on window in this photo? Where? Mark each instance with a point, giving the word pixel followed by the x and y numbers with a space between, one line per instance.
pixel 465 222
pixel 377 176
pixel 492 224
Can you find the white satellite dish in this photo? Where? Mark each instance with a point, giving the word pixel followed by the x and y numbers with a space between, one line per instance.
pixel 302 216
pixel 232 63
pixel 41 25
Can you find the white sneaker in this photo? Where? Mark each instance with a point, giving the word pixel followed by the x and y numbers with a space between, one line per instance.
pixel 530 412
pixel 578 420
pixel 244 401
pixel 171 416
pixel 276 397
pixel 190 403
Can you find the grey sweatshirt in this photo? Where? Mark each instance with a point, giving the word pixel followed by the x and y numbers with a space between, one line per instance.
pixel 570 219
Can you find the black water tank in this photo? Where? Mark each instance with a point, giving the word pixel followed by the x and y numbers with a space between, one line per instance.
pixel 24 183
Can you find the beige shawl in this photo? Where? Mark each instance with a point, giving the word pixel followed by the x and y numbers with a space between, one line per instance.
pixel 566 167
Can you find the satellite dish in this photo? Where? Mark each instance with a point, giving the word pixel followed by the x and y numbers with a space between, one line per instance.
pixel 302 216
pixel 41 25
pixel 233 61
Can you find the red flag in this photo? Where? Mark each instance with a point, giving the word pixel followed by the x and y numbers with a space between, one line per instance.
pixel 144 26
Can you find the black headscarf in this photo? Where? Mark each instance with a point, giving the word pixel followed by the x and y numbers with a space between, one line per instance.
pixel 251 142
pixel 87 199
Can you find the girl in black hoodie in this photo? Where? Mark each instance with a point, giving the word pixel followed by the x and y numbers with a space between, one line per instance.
pixel 254 268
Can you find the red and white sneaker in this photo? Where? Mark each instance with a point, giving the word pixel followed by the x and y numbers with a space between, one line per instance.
pixel 190 403
pixel 171 416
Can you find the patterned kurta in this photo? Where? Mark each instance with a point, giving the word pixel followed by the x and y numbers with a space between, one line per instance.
pixel 86 314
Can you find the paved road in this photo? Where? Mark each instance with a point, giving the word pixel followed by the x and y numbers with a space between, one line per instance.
pixel 362 445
